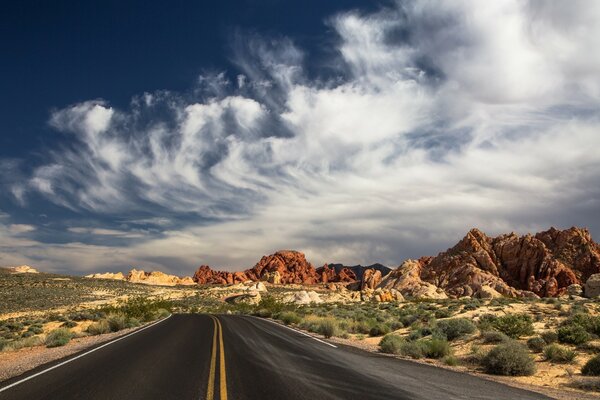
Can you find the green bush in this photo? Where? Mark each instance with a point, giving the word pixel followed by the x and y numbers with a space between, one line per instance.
pixel 116 321
pixel 592 367
pixel 454 328
pixel 69 324
pixel 435 348
pixel 21 343
pixel 159 314
pixel 263 313
pixel 589 323
pixel 328 327
pixel 536 344
pixel 58 337
pixel 573 334
pixel 443 313
pixel 379 329
pixel 549 337
pixel 451 361
pixel 509 358
pixel 514 325
pixel 494 337
pixel 289 317
pixel 99 327
pixel 391 344
pixel 412 349
pixel 559 354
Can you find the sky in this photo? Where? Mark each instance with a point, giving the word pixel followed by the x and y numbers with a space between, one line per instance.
pixel 166 136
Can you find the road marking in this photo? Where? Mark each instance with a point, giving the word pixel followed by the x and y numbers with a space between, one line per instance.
pixel 300 332
pixel 223 376
pixel 210 391
pixel 81 355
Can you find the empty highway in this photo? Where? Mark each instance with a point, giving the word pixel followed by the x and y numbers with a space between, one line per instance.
pixel 238 357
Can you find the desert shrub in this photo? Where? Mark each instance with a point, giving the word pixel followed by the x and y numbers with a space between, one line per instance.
pixel 443 313
pixel 21 343
pixel 328 327
pixel 391 344
pixel 536 344
pixel 559 354
pixel 3 343
pixel 289 317
pixel 99 327
pixel 511 358
pixel 573 334
pixel 36 329
pixel 592 367
pixel 451 361
pixel 379 329
pixel 116 321
pixel 435 348
pixel 549 337
pixel 415 335
pixel 454 328
pixel 160 313
pixel 590 323
pixel 411 349
pixel 486 322
pixel 514 325
pixel 69 324
pixel 58 337
pixel 26 334
pixel 494 337
pixel 263 313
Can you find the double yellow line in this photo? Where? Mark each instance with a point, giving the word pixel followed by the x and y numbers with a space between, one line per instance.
pixel 210 391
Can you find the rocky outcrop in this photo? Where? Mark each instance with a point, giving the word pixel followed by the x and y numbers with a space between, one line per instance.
pixel 282 267
pixel 22 269
pixel 157 278
pixel 303 297
pixel 407 280
pixel 250 298
pixel 329 274
pixel 371 278
pixel 545 264
pixel 108 275
pixel 359 270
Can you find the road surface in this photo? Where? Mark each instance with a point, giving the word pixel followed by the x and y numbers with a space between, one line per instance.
pixel 239 357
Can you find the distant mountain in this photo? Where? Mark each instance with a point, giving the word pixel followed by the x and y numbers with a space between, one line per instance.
pixel 359 270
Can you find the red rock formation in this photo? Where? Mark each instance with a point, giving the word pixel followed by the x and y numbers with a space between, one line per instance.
pixel 371 278
pixel 291 265
pixel 513 265
pixel 328 274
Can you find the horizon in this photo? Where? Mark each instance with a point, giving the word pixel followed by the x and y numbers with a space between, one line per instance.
pixel 168 137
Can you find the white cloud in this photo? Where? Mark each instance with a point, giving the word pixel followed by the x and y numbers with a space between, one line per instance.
pixel 446 115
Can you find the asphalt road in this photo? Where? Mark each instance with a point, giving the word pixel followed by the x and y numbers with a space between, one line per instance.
pixel 237 357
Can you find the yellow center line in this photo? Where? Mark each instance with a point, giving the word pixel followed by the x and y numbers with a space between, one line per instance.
pixel 222 373
pixel 211 376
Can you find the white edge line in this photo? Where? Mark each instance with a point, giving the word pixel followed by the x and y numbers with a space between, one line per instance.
pixel 81 355
pixel 300 332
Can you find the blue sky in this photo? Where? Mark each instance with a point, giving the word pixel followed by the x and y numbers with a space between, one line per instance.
pixel 165 137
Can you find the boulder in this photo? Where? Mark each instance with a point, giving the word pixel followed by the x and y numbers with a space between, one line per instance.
pixel 592 286
pixel 486 292
pixel 303 297
pixel 257 287
pixel 250 298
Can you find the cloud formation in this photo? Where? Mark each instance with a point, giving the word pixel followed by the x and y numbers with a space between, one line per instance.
pixel 440 116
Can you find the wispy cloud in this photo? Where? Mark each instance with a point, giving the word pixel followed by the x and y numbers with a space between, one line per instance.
pixel 442 116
